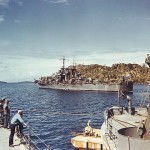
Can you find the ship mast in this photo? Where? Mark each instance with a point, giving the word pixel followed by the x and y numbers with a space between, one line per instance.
pixel 147 60
pixel 74 64
pixel 63 62
pixel 63 67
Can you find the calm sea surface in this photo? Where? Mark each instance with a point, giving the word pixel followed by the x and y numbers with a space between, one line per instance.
pixel 54 114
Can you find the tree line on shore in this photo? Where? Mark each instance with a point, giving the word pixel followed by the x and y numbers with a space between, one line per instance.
pixel 137 73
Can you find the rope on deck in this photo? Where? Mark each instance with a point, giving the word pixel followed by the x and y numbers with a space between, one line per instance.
pixel 119 121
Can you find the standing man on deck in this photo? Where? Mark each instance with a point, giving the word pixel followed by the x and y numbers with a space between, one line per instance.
pixel 6 113
pixel 16 121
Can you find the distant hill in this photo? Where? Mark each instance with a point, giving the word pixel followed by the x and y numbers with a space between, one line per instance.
pixel 137 73
pixel 24 82
pixel 27 82
pixel 2 82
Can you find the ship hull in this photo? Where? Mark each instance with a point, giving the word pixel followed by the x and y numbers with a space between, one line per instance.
pixel 112 87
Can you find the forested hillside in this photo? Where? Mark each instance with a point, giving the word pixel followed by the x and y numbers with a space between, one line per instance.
pixel 138 73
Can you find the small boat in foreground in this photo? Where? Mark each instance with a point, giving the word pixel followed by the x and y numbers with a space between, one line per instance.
pixel 87 142
pixel 89 139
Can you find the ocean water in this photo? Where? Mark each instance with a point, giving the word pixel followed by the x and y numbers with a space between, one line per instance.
pixel 54 114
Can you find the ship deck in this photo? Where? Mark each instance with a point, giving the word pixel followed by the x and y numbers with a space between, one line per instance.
pixel 110 129
pixel 4 141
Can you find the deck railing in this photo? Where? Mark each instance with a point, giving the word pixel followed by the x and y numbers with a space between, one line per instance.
pixel 32 141
pixel 112 132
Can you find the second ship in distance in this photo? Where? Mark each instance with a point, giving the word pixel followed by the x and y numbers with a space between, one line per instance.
pixel 70 78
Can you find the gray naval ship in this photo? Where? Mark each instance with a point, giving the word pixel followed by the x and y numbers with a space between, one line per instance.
pixel 71 79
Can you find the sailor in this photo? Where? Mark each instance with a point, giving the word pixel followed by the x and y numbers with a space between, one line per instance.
pixel 6 113
pixel 121 94
pixel 1 113
pixel 88 129
pixel 129 104
pixel 16 121
pixel 141 129
pixel 147 106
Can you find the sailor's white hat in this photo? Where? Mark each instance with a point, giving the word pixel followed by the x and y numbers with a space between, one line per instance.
pixel 20 110
pixel 3 98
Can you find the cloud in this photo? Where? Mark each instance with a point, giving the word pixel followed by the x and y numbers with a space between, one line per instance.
pixel 1 18
pixel 142 18
pixel 147 18
pixel 113 57
pixel 28 68
pixel 19 2
pixel 4 2
pixel 56 1
pixel 17 21
pixel 32 67
pixel 4 43
pixel 120 18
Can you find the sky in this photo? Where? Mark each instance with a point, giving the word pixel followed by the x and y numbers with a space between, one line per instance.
pixel 36 34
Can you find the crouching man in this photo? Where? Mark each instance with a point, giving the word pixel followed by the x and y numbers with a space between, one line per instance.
pixel 88 131
pixel 16 121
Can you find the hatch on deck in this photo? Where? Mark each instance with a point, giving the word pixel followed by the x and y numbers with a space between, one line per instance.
pixel 130 138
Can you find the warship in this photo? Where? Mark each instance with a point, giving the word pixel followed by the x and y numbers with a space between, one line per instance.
pixel 71 79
